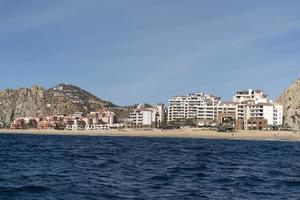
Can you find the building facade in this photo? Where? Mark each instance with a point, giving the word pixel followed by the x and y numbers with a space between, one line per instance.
pixel 256 111
pixel 147 117
pixel 252 109
pixel 141 117
pixel 199 106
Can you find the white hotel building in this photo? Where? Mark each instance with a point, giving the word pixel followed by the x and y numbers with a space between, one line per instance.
pixel 246 105
pixel 147 117
pixel 255 104
pixel 201 106
pixel 141 117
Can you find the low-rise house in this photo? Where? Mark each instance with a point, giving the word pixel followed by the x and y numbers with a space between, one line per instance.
pixel 257 124
pixel 18 123
pixel 97 127
pixel 227 121
pixel 24 123
pixel 45 124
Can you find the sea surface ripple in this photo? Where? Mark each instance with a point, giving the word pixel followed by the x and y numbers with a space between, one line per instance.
pixel 79 167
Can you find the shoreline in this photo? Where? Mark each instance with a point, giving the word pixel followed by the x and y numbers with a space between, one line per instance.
pixel 180 133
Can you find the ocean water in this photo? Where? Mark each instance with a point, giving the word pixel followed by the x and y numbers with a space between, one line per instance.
pixel 77 167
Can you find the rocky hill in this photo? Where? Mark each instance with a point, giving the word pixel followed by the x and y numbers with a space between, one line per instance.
pixel 290 99
pixel 61 99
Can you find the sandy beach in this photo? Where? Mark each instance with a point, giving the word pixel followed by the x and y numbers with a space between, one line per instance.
pixel 181 133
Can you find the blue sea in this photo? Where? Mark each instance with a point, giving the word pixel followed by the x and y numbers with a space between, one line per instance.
pixel 79 167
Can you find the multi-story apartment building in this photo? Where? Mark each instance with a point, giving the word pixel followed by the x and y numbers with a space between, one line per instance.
pixel 158 114
pixel 108 117
pixel 250 107
pixel 277 114
pixel 254 105
pixel 147 117
pixel 141 117
pixel 200 106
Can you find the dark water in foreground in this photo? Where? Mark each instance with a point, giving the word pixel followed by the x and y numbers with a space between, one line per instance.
pixel 74 167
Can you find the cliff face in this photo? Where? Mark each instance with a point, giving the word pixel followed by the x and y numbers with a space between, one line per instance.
pixel 290 99
pixel 61 99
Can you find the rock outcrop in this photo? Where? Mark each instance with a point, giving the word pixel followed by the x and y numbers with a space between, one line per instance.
pixel 290 99
pixel 35 102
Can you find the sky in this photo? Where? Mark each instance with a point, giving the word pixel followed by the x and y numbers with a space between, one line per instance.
pixel 138 51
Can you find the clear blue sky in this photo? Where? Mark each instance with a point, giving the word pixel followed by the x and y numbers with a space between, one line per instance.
pixel 132 51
